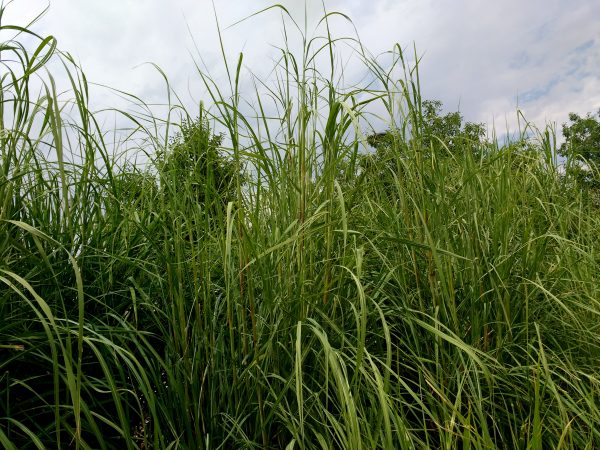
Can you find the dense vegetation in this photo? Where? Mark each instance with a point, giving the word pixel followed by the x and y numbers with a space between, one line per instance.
pixel 279 286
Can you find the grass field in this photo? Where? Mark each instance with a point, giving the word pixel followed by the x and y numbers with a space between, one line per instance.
pixel 278 288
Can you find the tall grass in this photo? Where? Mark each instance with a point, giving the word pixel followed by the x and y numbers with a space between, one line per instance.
pixel 421 299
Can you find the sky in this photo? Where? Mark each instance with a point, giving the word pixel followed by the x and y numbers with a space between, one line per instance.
pixel 485 59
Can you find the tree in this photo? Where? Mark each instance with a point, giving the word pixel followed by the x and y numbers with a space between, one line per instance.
pixel 442 134
pixel 448 130
pixel 193 167
pixel 437 131
pixel 582 146
pixel 395 154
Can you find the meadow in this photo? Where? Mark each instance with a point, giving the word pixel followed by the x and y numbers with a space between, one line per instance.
pixel 285 284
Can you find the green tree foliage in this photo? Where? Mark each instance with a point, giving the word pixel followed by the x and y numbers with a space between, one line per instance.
pixel 437 130
pixel 440 134
pixel 448 130
pixel 193 164
pixel 582 145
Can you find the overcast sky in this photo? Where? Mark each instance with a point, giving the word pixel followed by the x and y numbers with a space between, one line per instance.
pixel 482 57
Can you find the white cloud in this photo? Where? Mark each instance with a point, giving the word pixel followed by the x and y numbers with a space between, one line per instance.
pixel 479 56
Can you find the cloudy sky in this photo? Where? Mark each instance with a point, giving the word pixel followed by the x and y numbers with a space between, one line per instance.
pixel 480 57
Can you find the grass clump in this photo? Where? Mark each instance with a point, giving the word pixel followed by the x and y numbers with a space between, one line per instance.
pixel 273 287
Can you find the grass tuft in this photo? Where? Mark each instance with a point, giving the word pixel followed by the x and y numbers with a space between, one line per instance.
pixel 282 285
